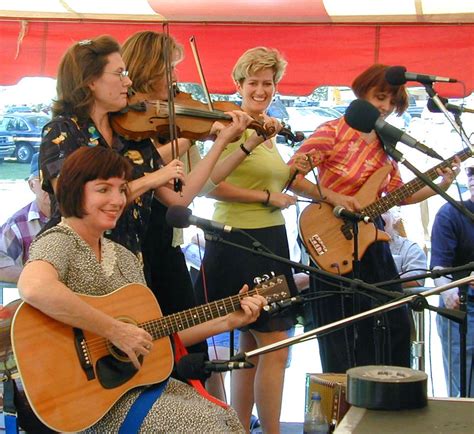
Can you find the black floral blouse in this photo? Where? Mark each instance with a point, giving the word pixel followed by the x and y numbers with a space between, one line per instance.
pixel 63 135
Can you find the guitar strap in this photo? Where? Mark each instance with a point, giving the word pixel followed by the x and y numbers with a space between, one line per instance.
pixel 141 407
pixel 9 408
pixel 180 351
pixel 148 397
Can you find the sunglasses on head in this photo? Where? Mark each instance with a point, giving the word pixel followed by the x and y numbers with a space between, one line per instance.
pixel 470 171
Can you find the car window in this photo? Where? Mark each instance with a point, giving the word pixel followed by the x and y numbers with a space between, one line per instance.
pixel 21 125
pixel 307 119
pixel 10 125
pixel 38 121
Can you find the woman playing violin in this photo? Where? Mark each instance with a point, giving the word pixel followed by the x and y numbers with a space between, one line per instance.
pixel 93 82
pixel 166 271
pixel 251 199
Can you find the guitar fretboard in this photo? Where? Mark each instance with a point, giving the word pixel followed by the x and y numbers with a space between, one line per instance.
pixel 400 194
pixel 176 322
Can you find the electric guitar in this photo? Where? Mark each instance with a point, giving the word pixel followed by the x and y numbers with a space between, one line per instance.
pixel 329 240
pixel 72 377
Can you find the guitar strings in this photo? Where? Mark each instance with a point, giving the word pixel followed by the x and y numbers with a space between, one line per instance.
pixel 164 326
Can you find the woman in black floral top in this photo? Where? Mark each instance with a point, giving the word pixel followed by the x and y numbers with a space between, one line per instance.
pixel 92 83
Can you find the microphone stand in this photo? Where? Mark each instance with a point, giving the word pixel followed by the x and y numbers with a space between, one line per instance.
pixel 458 316
pixel 213 236
pixel 379 328
pixel 433 274
pixel 398 156
pixel 456 125
pixel 328 328
pixel 350 283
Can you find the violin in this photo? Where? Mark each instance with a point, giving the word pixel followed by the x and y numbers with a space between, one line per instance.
pixel 143 118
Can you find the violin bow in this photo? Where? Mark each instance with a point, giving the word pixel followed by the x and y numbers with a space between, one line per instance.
pixel 178 185
pixel 197 61
pixel 192 42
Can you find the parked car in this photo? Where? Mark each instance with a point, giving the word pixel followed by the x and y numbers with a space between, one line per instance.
pixel 278 110
pixel 18 109
pixel 414 110
pixel 7 147
pixel 341 108
pixel 307 119
pixel 26 131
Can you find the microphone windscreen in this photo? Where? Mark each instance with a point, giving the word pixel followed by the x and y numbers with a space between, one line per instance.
pixel 191 366
pixel 178 216
pixel 395 75
pixel 337 210
pixel 361 115
pixel 432 107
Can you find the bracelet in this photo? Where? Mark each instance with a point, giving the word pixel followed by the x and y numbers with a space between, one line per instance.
pixel 267 200
pixel 244 149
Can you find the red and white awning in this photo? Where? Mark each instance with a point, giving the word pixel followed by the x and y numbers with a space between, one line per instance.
pixel 326 42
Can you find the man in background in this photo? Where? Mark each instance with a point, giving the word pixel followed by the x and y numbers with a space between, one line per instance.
pixel 409 257
pixel 19 230
pixel 452 245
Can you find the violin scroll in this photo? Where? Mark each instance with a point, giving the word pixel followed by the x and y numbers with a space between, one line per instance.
pixel 291 138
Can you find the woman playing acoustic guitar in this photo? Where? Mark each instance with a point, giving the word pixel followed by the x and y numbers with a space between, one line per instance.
pixel 74 258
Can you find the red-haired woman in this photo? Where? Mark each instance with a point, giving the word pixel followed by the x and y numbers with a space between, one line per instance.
pixel 345 159
pixel 74 258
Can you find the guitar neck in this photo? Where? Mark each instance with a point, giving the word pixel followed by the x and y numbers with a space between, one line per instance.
pixel 400 194
pixel 176 322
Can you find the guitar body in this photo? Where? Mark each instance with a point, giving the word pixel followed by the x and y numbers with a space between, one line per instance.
pixel 328 238
pixel 56 384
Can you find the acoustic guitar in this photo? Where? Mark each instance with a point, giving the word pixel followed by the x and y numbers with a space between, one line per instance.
pixel 329 240
pixel 72 377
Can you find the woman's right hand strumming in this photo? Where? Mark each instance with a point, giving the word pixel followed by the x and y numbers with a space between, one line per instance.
pixel 132 340
pixel 348 202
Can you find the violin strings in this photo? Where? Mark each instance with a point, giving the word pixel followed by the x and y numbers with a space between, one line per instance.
pixel 187 111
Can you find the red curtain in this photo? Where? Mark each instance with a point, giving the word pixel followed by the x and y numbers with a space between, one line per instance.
pixel 317 54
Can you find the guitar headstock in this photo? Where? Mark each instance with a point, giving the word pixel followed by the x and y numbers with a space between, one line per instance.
pixel 272 288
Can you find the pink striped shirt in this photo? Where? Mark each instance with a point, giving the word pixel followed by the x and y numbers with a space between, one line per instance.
pixel 345 160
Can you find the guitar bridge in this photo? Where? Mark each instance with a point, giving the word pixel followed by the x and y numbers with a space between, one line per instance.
pixel 83 353
pixel 318 244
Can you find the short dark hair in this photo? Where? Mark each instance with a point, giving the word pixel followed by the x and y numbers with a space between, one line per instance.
pixel 374 78
pixel 83 165
pixel 82 63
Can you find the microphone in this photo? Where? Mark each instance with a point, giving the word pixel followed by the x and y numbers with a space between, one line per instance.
pixel 195 366
pixel 340 212
pixel 181 217
pixel 455 109
pixel 279 305
pixel 363 116
pixel 398 75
